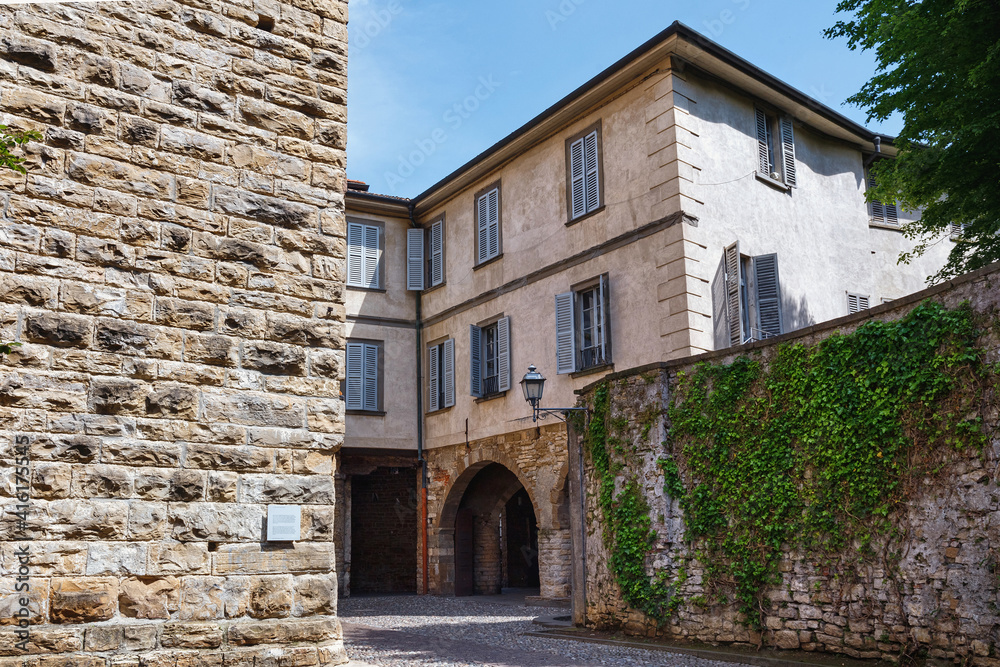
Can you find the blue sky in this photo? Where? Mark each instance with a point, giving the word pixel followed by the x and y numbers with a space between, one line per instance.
pixel 412 61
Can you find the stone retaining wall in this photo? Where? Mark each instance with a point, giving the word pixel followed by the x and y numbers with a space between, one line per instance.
pixel 942 599
pixel 173 264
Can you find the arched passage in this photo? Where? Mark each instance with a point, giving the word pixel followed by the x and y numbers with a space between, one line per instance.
pixel 491 522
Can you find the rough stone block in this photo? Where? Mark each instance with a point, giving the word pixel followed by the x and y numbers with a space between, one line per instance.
pixel 83 600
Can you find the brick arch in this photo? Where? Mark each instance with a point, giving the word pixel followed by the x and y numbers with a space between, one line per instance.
pixel 467 469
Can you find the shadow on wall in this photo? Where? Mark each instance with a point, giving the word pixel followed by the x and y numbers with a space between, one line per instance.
pixel 796 314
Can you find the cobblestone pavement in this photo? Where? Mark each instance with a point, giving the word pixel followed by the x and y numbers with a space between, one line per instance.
pixel 429 631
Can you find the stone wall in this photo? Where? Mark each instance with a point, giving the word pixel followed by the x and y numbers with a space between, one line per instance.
pixel 539 459
pixel 940 601
pixel 173 264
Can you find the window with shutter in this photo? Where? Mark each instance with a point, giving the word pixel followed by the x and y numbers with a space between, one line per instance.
pixel 881 214
pixel 746 309
pixel 488 215
pixel 434 378
pixel 364 255
pixel 565 333
pixel 775 147
pixel 363 391
pixel 489 358
pixel 448 372
pixel 583 170
pixel 415 259
pixel 856 303
pixel 441 375
pixel 958 230
pixel 583 339
pixel 436 272
pixel 475 361
pixel 503 354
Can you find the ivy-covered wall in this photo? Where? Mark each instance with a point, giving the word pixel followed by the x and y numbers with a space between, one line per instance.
pixel 835 490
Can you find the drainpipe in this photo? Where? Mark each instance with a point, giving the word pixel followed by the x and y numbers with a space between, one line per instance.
pixel 878 149
pixel 420 433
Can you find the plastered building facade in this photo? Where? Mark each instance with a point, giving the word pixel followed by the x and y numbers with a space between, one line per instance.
pixel 173 264
pixel 680 202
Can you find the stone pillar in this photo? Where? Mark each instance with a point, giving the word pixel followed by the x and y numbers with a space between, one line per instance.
pixel 555 562
pixel 173 262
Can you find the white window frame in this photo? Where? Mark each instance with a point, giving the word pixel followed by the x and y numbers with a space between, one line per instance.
pixel 775 147
pixel 857 302
pixel 571 355
pixel 364 376
pixel 441 375
pixel 365 244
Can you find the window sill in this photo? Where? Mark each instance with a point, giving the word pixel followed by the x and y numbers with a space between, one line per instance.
pixel 366 413
pixel 366 289
pixel 585 216
pixel 488 262
pixel 593 370
pixel 882 225
pixel 439 410
pixel 778 185
pixel 491 397
pixel 435 288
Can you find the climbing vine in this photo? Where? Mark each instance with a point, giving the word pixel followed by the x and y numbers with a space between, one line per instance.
pixel 816 450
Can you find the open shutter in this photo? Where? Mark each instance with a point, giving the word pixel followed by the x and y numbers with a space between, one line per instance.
pixel 577 178
pixel 565 333
pixel 720 313
pixel 372 256
pixel 503 354
pixel 371 377
pixel 437 253
pixel 592 178
pixel 482 231
pixel 433 379
pixel 605 289
pixel 788 151
pixel 734 297
pixel 763 161
pixel 355 376
pixel 886 214
pixel 415 259
pixel 475 361
pixel 494 223
pixel 448 350
pixel 765 270
pixel 355 254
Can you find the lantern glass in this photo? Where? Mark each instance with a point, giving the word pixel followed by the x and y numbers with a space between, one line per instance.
pixel 533 385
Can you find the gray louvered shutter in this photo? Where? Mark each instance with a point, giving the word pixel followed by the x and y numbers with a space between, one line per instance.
pixel 763 159
pixel 355 254
pixel 373 256
pixel 414 259
pixel 482 231
pixel 592 178
pixel 734 298
pixel 503 354
pixel 494 222
pixel 565 333
pixel 371 377
pixel 475 361
pixel 788 151
pixel 605 290
pixel 856 303
pixel 877 210
pixel 433 388
pixel 720 313
pixel 768 288
pixel 577 178
pixel 355 376
pixel 437 253
pixel 448 350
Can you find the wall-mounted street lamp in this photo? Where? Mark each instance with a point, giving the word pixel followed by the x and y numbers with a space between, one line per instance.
pixel 533 385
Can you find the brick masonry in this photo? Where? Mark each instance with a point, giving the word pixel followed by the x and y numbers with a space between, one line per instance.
pixel 942 597
pixel 384 528
pixel 173 263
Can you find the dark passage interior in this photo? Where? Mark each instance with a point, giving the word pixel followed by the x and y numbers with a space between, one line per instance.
pixel 384 527
pixel 496 535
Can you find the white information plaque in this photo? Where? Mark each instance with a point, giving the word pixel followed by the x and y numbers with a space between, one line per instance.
pixel 284 523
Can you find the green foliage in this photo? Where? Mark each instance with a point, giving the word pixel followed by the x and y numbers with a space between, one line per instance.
pixel 7 348
pixel 819 451
pixel 628 533
pixel 939 68
pixel 9 142
pixel 816 451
